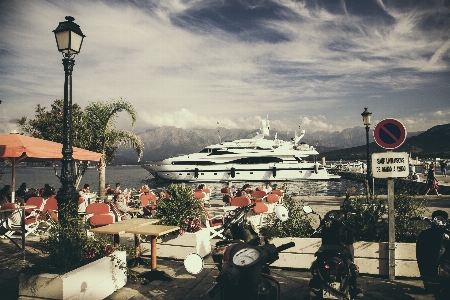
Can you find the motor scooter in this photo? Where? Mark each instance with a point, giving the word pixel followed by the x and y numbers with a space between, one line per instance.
pixel 244 269
pixel 433 254
pixel 334 273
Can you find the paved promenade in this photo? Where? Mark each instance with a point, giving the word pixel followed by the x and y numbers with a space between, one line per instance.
pixel 294 283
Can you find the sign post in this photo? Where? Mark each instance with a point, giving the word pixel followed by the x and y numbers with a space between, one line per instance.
pixel 390 134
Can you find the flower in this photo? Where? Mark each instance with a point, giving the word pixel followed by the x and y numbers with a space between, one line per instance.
pixel 191 224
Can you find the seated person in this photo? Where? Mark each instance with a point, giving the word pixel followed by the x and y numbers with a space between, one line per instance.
pixel 47 191
pixel 85 190
pixel 123 207
pixel 108 189
pixel 117 190
pixel 267 188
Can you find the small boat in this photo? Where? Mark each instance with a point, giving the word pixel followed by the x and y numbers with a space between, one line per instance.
pixel 254 159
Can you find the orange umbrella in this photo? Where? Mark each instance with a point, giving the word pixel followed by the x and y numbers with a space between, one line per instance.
pixel 17 148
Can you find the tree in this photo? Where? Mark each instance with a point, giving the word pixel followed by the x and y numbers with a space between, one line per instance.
pixel 92 129
pixel 47 125
pixel 104 138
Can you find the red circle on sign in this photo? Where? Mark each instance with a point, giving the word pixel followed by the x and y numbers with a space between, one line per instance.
pixel 389 134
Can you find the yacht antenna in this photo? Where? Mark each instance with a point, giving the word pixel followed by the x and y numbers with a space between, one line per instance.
pixel 218 132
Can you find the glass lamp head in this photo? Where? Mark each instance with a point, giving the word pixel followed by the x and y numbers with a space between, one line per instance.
pixel 366 116
pixel 68 37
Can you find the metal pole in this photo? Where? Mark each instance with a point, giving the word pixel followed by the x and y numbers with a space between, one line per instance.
pixel 391 218
pixel 67 191
pixel 369 164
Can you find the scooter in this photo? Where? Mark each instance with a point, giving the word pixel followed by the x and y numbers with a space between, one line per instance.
pixel 236 229
pixel 243 272
pixel 433 254
pixel 334 273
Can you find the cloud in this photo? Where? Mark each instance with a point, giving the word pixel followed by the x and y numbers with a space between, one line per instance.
pixel 193 63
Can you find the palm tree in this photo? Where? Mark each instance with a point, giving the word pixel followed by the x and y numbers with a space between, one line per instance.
pixel 105 138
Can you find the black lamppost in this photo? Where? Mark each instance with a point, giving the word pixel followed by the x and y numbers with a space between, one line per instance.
pixel 366 119
pixel 68 39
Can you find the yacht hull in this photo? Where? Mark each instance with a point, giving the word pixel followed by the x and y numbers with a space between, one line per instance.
pixel 228 172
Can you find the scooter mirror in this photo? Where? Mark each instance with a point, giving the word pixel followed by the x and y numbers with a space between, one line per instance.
pixel 307 209
pixel 193 263
pixel 282 212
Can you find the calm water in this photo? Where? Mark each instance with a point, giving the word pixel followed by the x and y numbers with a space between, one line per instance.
pixel 135 176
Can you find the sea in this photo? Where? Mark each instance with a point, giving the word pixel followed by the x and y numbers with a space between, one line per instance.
pixel 134 176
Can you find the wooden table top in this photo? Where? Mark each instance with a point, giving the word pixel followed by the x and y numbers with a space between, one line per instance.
pixel 154 230
pixel 122 226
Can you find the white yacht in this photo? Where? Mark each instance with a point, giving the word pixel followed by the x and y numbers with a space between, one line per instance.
pixel 255 159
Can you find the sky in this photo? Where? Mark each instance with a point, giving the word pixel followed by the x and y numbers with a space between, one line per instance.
pixel 208 63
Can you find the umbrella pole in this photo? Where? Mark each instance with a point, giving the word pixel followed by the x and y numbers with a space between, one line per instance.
pixel 13 180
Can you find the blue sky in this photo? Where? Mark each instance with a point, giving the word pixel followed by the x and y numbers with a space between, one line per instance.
pixel 193 64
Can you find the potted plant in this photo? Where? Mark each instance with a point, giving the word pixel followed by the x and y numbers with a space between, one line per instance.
pixel 181 209
pixel 75 265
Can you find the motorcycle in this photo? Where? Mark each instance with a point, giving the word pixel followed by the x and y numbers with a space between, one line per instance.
pixel 334 273
pixel 433 254
pixel 244 271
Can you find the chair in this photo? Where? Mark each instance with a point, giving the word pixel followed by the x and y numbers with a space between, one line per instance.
pixel 146 203
pixel 258 219
pixel 240 201
pixel 260 207
pixel 258 196
pixel 226 199
pixel 214 224
pixel 272 198
pixel 50 211
pixel 36 201
pixel 207 192
pixel 99 214
pixel 118 214
pixel 279 193
pixel 12 220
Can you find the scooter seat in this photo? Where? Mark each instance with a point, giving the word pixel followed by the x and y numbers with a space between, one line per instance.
pixel 334 250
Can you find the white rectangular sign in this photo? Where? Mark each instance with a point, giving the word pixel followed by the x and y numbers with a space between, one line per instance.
pixel 390 164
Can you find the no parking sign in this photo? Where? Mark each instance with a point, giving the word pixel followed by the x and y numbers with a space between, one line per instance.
pixel 389 134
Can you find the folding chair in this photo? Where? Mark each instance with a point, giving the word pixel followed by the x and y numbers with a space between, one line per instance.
pixel 279 193
pixel 240 201
pixel 12 221
pixel 148 203
pixel 50 211
pixel 258 196
pixel 226 199
pixel 200 194
pixel 258 217
pixel 99 214
pixel 214 224
pixel 36 201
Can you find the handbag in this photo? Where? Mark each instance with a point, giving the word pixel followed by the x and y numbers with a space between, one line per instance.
pixel 435 185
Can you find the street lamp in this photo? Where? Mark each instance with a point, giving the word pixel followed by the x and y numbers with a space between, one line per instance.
pixel 68 39
pixel 366 119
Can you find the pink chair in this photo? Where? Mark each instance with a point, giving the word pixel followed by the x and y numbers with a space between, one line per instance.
pixel 12 220
pixel 272 198
pixel 258 195
pixel 99 214
pixel 240 201
pixel 260 208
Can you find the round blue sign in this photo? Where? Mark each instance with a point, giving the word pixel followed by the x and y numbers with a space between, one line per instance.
pixel 389 134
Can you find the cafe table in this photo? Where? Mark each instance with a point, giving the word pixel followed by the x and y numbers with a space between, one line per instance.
pixel 22 225
pixel 120 227
pixel 153 231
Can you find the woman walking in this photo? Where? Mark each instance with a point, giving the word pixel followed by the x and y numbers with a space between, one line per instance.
pixel 432 181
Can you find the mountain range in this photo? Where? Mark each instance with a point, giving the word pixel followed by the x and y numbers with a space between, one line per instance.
pixel 348 144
